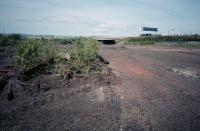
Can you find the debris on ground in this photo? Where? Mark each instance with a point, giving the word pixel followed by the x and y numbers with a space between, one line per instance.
pixel 185 72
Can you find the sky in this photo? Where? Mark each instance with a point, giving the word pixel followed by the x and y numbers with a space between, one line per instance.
pixel 98 17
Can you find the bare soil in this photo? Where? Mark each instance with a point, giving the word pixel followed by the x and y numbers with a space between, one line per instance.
pixel 137 92
pixel 47 102
pixel 152 97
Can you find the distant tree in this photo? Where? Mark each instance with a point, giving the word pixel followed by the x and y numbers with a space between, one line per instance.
pixel 15 37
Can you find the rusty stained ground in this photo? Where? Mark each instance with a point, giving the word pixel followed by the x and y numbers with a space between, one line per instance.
pixel 152 97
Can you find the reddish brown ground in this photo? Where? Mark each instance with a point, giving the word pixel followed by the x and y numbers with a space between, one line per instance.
pixel 152 97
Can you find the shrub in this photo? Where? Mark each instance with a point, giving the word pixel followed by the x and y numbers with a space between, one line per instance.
pixel 32 52
pixel 63 69
pixel 50 52
pixel 85 51
pixel 80 60
pixel 68 41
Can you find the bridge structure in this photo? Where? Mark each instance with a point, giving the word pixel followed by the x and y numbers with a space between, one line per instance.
pixel 108 40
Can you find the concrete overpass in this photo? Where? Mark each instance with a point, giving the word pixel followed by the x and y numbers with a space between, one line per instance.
pixel 107 40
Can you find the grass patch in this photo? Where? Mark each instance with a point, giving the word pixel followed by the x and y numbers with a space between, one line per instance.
pixel 184 40
pixel 139 42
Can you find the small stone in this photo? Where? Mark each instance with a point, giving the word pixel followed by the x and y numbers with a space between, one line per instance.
pixel 105 71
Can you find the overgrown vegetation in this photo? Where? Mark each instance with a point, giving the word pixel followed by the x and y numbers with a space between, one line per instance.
pixel 79 60
pixel 68 41
pixel 33 52
pixel 153 39
pixel 85 52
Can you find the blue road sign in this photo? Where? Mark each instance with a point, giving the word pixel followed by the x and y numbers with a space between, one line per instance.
pixel 149 29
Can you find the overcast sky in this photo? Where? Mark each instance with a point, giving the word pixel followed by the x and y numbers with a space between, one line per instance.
pixel 98 17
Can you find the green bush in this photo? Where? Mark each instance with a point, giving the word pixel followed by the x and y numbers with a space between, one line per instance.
pixel 32 52
pixel 68 41
pixel 81 58
pixel 85 51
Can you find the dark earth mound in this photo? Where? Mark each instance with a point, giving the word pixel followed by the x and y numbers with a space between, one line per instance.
pixel 45 101
pixel 42 100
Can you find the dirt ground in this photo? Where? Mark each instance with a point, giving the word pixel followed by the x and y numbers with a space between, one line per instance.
pixel 146 88
pixel 152 96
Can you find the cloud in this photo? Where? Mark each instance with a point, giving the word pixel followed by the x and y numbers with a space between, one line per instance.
pixel 89 17
pixel 59 19
pixel 78 21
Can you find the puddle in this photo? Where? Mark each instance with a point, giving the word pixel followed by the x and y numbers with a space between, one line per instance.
pixel 185 72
